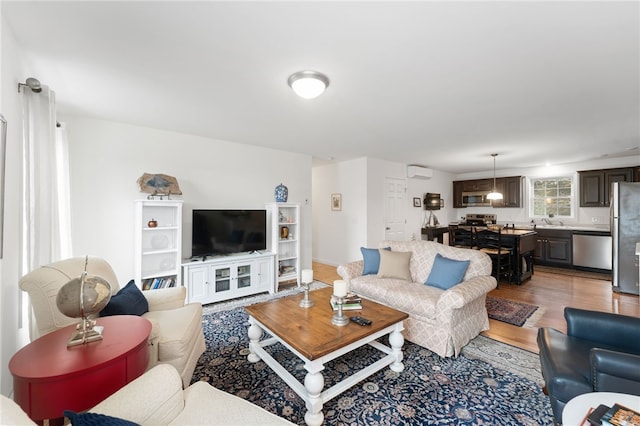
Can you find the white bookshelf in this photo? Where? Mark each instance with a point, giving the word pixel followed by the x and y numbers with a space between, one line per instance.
pixel 158 249
pixel 283 222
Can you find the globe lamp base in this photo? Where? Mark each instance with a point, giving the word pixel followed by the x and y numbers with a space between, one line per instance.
pixel 86 331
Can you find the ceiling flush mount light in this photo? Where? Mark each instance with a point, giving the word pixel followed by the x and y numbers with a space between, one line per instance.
pixel 308 84
pixel 494 195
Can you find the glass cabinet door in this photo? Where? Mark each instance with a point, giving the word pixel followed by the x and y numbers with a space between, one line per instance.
pixel 223 279
pixel 244 276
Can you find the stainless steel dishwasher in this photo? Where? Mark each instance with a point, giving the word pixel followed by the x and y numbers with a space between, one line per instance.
pixel 592 249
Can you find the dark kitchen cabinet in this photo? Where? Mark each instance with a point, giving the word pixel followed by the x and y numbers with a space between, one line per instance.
pixel 596 184
pixel 477 185
pixel 457 195
pixel 553 247
pixel 511 189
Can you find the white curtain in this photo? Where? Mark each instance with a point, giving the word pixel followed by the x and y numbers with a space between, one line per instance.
pixel 45 207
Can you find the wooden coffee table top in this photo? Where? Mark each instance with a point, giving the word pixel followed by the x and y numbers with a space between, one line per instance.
pixel 310 331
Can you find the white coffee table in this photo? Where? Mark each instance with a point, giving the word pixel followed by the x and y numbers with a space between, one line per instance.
pixel 309 334
pixel 577 408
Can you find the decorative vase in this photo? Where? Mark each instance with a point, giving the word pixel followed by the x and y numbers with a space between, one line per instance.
pixel 284 232
pixel 152 223
pixel 282 193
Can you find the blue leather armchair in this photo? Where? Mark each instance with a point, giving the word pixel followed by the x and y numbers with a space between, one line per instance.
pixel 600 352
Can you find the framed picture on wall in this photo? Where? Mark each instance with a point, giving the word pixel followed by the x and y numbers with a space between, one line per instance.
pixel 336 202
pixel 417 202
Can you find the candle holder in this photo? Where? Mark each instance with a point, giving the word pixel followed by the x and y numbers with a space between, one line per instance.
pixel 307 278
pixel 339 318
pixel 306 302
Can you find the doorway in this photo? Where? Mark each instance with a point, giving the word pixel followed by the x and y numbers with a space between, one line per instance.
pixel 395 222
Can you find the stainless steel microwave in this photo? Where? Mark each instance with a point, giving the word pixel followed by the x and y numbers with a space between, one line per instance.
pixel 475 199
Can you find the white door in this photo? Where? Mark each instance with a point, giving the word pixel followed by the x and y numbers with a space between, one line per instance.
pixel 395 193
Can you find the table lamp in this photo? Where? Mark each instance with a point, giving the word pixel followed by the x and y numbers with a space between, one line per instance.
pixel 84 297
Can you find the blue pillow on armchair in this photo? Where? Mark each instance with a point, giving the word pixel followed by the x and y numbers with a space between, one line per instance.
pixel 95 419
pixel 371 259
pixel 129 300
pixel 446 272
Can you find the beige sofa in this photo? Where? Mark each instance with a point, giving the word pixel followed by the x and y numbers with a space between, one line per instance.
pixel 442 321
pixel 176 335
pixel 156 398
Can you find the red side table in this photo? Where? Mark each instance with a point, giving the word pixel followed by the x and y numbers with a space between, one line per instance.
pixel 49 378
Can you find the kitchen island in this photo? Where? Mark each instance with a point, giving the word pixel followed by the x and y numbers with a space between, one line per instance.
pixel 523 242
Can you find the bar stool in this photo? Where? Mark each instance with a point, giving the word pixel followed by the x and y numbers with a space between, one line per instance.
pixel 489 241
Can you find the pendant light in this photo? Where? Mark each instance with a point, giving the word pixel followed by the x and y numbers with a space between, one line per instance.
pixel 494 195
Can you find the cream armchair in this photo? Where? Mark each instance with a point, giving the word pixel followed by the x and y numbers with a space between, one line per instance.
pixel 156 398
pixel 176 335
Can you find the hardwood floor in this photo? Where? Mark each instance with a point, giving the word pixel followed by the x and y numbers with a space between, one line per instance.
pixel 551 292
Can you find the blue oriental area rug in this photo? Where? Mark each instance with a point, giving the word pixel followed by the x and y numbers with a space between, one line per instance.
pixel 489 384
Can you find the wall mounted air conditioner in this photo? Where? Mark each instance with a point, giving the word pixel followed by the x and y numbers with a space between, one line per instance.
pixel 419 172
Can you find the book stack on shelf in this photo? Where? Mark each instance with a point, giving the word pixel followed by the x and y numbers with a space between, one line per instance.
pixel 617 415
pixel 159 282
pixel 352 302
pixel 287 269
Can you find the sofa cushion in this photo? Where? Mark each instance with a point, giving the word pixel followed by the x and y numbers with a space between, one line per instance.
pixel 206 405
pixel 446 272
pixel 154 398
pixel 128 301
pixel 179 329
pixel 412 298
pixel 371 258
pixel 394 264
pixel 424 253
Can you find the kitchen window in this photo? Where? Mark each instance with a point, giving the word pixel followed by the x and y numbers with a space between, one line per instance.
pixel 552 197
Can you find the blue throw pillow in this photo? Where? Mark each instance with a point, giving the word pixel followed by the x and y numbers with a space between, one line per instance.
pixel 446 272
pixel 128 301
pixel 371 259
pixel 95 419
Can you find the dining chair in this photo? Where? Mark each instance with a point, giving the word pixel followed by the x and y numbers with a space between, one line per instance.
pixel 462 236
pixel 489 241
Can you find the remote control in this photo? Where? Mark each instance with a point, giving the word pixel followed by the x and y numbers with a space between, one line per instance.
pixel 361 321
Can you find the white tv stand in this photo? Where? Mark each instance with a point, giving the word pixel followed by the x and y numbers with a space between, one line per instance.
pixel 226 277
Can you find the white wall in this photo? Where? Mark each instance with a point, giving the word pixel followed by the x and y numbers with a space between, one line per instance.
pixel 377 171
pixel 336 233
pixel 338 236
pixel 107 158
pixel 13 331
pixel 439 183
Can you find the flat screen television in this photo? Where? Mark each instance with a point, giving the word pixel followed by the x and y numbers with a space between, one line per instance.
pixel 219 232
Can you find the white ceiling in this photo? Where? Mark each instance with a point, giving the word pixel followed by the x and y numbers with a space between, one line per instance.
pixel 441 84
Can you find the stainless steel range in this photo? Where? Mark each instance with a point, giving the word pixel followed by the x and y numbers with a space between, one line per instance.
pixel 475 219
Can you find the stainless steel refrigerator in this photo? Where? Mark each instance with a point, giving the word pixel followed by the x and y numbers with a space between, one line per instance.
pixel 625 232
